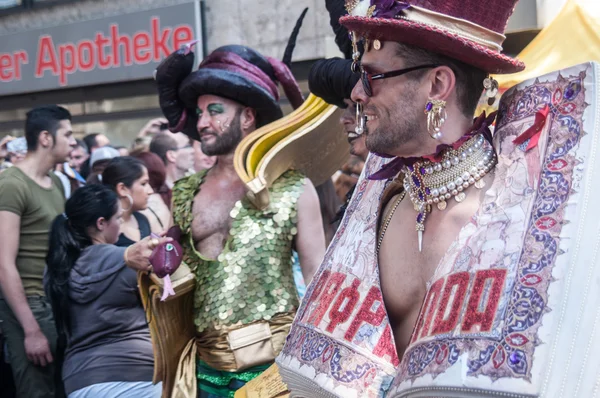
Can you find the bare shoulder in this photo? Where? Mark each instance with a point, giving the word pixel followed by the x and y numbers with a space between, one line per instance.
pixel 309 193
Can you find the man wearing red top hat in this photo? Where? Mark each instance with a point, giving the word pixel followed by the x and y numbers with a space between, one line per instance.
pixel 473 272
pixel 245 297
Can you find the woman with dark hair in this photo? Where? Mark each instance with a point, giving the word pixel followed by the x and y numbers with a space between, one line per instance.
pixel 104 343
pixel 158 212
pixel 128 178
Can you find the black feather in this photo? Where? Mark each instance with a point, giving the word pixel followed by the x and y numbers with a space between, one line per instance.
pixel 336 11
pixel 289 49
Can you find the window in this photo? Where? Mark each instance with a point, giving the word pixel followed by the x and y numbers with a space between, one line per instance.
pixel 4 4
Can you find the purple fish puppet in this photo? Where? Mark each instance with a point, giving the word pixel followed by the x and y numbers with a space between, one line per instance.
pixel 166 258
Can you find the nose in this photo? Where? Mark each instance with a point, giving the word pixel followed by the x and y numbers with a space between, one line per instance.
pixel 348 116
pixel 149 190
pixel 203 122
pixel 358 93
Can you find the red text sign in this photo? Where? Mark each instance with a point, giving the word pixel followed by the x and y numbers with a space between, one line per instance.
pixel 125 47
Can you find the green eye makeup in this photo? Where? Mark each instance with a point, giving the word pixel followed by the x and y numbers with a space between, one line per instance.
pixel 216 108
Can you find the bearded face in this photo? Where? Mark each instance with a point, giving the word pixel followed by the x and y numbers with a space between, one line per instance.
pixel 219 125
pixel 396 124
pixel 225 141
pixel 392 127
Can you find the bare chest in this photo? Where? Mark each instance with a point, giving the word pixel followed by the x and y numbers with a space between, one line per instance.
pixel 211 209
pixel 404 270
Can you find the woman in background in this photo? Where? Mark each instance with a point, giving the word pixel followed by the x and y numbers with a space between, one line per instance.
pixel 158 212
pixel 104 343
pixel 128 178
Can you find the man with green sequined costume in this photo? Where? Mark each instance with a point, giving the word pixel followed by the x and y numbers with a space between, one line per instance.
pixel 245 298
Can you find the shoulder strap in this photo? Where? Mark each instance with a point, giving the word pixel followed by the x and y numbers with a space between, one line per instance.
pixel 157 217
pixel 143 224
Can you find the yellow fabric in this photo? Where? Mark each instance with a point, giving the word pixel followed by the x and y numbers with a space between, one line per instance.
pixel 315 105
pixel 184 385
pixel 243 149
pixel 573 37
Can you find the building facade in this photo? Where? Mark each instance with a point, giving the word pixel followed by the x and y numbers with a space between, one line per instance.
pixel 96 57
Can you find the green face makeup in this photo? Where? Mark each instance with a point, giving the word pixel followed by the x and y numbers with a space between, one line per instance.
pixel 216 108
pixel 213 109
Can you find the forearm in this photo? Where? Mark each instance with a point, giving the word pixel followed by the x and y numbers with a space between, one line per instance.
pixel 309 265
pixel 14 294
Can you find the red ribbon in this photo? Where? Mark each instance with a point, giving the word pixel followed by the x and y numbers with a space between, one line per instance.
pixel 533 133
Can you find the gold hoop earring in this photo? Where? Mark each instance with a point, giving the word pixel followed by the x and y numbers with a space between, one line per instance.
pixel 436 116
pixel 130 202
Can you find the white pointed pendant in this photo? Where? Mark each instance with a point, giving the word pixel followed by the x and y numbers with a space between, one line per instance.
pixel 420 237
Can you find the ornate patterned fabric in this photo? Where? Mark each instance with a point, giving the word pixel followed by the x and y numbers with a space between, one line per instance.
pixel 513 307
pixel 341 342
pixel 252 278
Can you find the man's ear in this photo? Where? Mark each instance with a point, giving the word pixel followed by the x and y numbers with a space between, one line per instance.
pixel 442 82
pixel 171 156
pixel 45 139
pixel 122 190
pixel 248 119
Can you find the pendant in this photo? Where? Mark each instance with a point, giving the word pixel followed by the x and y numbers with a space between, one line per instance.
pixel 420 236
pixel 442 205
pixel 480 183
pixel 460 197
pixel 376 44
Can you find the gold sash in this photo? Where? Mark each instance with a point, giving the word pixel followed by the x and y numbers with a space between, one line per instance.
pixel 213 346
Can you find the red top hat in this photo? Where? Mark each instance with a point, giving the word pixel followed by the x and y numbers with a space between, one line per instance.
pixel 471 31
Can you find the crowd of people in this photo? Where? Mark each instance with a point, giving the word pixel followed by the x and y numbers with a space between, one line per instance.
pixel 69 286
pixel 436 281
pixel 80 214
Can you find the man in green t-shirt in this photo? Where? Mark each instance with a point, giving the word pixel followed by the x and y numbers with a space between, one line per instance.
pixel 31 196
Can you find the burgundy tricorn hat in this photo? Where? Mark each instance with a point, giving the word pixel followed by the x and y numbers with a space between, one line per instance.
pixel 471 31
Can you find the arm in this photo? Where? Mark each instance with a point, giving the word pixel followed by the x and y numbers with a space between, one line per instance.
pixel 137 255
pixel 36 344
pixel 152 127
pixel 310 240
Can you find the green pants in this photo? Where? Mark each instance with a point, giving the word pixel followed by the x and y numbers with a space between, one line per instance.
pixel 31 381
pixel 213 383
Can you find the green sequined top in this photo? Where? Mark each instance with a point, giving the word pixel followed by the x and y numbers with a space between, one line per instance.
pixel 252 278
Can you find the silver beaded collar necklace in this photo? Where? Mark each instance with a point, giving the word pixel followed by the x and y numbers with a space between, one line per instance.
pixel 434 183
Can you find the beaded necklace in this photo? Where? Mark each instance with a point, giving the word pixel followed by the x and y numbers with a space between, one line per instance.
pixel 428 183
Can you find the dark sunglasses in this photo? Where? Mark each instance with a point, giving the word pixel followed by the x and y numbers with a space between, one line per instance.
pixel 367 78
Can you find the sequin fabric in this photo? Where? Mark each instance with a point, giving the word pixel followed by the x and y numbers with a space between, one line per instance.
pixel 216 383
pixel 252 278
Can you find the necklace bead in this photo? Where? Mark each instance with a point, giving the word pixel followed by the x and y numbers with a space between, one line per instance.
pixel 429 183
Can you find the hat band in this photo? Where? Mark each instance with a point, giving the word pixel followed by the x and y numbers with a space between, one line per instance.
pixel 233 63
pixel 460 27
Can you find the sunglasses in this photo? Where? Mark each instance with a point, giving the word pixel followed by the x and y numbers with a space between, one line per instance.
pixel 367 78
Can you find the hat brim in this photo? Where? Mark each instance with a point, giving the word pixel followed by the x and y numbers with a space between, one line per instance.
pixel 232 86
pixel 433 39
